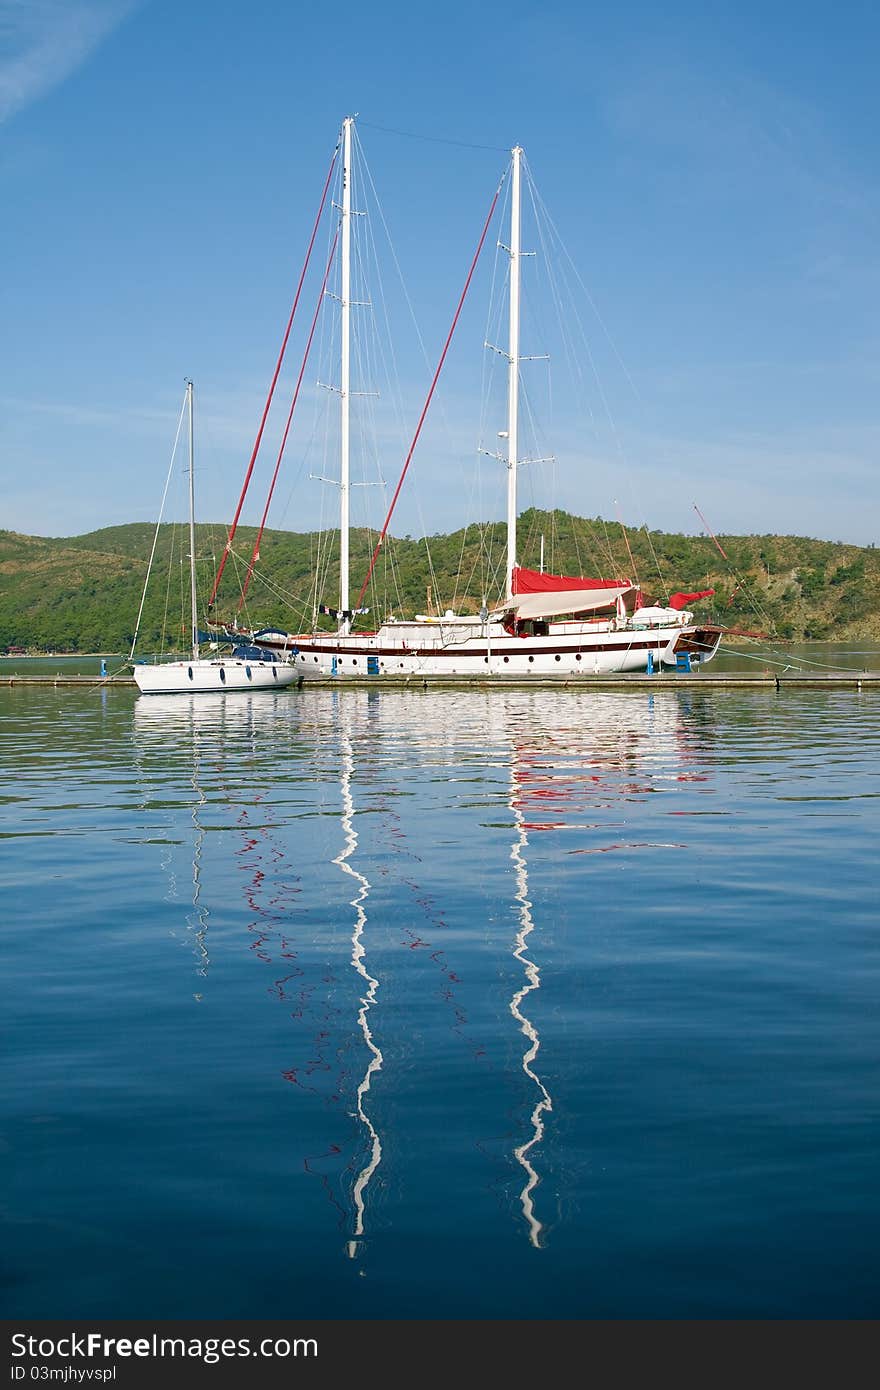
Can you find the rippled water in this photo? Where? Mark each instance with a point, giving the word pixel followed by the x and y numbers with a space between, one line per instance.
pixel 460 1004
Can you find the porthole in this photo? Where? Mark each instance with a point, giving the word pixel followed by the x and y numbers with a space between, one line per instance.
pixel 222 676
pixel 577 656
pixel 189 671
pixel 557 657
pixel 274 674
pixel 486 659
pixel 247 671
pixel 531 658
pixel 507 658
pixel 316 658
pixel 354 661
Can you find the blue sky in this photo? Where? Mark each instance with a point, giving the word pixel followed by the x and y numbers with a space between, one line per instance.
pixel 711 169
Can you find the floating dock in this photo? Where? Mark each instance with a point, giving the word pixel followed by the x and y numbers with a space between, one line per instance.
pixel 678 680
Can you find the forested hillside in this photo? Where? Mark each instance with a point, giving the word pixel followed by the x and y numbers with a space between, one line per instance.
pixel 83 593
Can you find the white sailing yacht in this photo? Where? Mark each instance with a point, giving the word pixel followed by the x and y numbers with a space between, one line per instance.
pixel 247 668
pixel 546 625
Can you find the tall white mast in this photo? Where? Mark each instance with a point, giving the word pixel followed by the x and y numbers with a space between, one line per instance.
pixel 513 366
pixel 192 530
pixel 345 382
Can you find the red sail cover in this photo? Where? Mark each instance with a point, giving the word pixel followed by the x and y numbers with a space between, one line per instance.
pixel 682 600
pixel 535 582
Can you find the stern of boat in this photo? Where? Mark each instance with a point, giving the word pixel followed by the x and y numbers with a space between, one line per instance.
pixel 698 644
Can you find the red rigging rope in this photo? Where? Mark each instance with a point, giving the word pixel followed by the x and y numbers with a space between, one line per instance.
pixel 415 439
pixel 256 449
pixel 711 532
pixel 632 563
pixel 256 554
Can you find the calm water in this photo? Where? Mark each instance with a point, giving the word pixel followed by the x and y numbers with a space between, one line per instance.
pixel 471 1004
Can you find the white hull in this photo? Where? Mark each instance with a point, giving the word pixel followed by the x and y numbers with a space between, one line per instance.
pixel 469 649
pixel 231 674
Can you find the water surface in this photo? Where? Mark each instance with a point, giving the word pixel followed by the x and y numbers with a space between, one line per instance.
pixel 389 1004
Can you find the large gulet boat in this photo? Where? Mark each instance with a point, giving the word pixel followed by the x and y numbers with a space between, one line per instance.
pixel 546 625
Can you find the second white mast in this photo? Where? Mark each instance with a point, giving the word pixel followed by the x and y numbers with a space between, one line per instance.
pixel 513 366
pixel 192 529
pixel 345 382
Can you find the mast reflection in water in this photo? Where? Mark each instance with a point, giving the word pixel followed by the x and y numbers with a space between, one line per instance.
pixel 523 1153
pixel 368 998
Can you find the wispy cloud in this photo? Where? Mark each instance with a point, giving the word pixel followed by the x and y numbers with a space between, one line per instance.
pixel 85 415
pixel 43 41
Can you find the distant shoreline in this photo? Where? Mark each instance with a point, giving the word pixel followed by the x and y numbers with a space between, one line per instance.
pixel 41 656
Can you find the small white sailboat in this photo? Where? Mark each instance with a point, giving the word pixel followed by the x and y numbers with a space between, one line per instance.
pixel 247 667
pixel 541 625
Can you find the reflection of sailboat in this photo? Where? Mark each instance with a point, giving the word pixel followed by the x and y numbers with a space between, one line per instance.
pixel 368 998
pixel 248 668
pixel 530 778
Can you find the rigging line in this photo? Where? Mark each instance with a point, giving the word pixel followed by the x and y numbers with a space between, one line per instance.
pixel 432 573
pixel 269 584
pixel 633 568
pixel 166 609
pixel 537 203
pixel 476 491
pixel 543 216
pixel 753 603
pixel 608 546
pixel 718 545
pixel 796 663
pixel 561 294
pixel 664 586
pixel 432 139
pixel 394 387
pixel 250 468
pixel 415 440
pixel 393 382
pixel 256 552
pixel 137 626
pixel 589 297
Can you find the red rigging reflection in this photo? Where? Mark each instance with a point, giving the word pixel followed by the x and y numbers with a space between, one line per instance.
pixel 557 780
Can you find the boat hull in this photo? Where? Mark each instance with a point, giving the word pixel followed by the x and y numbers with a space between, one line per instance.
pixel 476 652
pixel 188 677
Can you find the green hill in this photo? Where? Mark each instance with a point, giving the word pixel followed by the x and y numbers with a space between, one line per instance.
pixel 82 593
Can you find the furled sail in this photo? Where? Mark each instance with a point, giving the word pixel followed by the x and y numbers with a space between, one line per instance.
pixel 540 595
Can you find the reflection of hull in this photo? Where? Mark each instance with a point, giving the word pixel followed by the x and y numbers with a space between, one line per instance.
pixel 169 718
pixel 190 677
pixel 469 648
